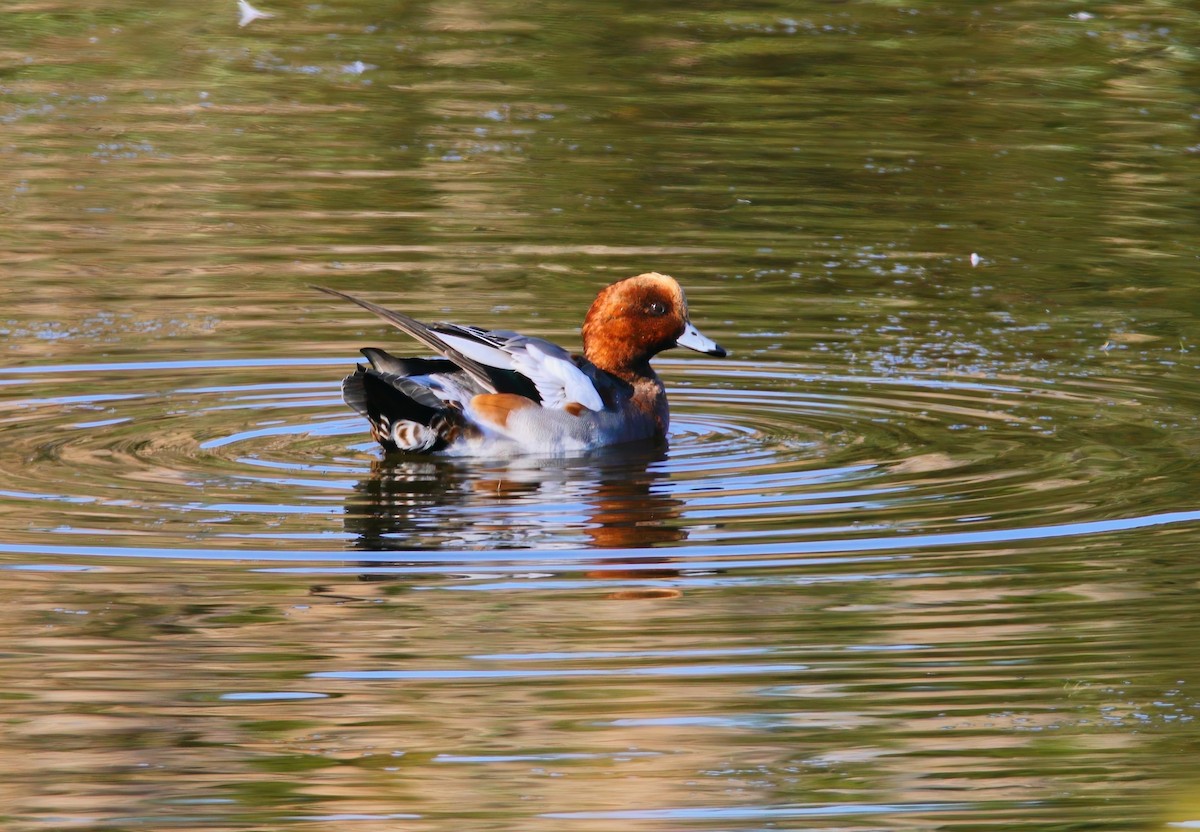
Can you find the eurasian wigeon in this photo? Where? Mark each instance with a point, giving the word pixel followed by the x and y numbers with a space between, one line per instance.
pixel 498 392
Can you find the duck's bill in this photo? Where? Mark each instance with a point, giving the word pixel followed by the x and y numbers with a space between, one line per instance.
pixel 693 340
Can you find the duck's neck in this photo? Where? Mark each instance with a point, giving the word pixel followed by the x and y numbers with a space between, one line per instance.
pixel 618 360
pixel 650 397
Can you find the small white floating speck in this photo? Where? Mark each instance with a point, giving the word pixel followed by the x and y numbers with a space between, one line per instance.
pixel 249 14
pixel 1082 16
pixel 974 259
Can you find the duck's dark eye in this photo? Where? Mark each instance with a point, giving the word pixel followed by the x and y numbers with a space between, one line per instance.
pixel 656 308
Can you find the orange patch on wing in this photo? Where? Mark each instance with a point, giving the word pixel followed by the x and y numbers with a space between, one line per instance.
pixel 575 408
pixel 496 408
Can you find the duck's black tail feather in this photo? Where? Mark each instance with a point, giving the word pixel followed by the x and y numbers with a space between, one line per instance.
pixel 385 362
pixel 404 416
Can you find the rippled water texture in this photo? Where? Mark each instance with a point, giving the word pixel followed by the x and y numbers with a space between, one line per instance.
pixel 922 553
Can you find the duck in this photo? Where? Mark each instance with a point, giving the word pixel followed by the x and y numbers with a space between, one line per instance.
pixel 497 392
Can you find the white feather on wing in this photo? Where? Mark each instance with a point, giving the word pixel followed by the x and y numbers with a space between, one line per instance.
pixel 492 354
pixel 557 379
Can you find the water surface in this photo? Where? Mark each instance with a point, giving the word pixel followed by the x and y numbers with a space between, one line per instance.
pixel 919 554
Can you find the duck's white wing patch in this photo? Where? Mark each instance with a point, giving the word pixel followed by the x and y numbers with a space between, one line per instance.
pixel 477 350
pixel 557 379
pixel 548 366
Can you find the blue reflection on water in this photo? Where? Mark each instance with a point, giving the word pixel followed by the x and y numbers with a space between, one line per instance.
pixel 702 555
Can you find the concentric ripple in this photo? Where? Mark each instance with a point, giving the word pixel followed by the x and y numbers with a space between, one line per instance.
pixel 765 460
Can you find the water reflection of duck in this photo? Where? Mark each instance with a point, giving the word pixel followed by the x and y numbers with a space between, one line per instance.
pixel 499 392
pixel 603 500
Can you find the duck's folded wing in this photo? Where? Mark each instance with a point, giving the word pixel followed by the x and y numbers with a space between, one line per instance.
pixel 499 360
pixel 553 373
pixel 558 379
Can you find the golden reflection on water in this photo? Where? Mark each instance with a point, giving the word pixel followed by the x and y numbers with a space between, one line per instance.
pixel 903 688
pixel 377 640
